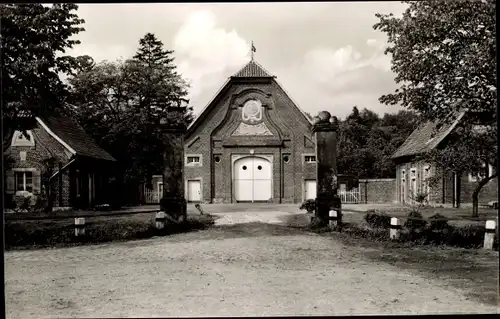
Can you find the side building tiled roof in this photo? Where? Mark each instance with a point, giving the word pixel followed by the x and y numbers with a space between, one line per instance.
pixel 425 138
pixel 74 136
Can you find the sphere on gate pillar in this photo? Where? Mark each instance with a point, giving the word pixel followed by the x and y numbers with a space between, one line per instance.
pixel 334 120
pixel 324 116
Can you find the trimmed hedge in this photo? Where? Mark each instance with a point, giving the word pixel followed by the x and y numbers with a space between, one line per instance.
pixel 438 222
pixel 415 221
pixel 377 220
pixel 419 232
pixel 62 233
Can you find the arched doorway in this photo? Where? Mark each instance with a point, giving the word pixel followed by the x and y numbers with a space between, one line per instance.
pixel 252 179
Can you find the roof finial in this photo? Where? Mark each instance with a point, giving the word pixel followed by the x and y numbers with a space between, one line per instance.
pixel 253 50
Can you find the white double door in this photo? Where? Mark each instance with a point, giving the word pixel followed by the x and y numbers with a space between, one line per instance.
pixel 252 179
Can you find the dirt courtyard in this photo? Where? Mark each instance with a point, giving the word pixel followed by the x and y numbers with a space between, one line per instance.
pixel 247 265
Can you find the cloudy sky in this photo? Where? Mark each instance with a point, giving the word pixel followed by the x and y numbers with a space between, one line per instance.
pixel 326 55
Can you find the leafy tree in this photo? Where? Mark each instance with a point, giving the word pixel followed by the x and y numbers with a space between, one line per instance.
pixel 34 38
pixel 126 104
pixel 444 56
pixel 366 142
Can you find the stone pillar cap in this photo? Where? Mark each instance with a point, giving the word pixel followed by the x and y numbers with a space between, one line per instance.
pixel 324 121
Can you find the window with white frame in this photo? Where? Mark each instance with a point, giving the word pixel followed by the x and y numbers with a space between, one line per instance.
pixel 193 160
pixel 310 158
pixel 23 181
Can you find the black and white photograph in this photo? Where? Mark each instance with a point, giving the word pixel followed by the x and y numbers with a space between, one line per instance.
pixel 249 159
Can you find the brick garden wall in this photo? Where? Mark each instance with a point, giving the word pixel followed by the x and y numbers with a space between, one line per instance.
pixel 488 193
pixel 377 190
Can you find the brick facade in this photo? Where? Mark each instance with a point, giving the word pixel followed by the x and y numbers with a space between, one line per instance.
pixel 45 147
pixel 377 190
pixel 449 190
pixel 213 136
pixel 411 174
pixel 91 173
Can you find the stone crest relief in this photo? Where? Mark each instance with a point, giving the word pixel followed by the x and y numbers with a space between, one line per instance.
pixel 252 112
pixel 245 130
pixel 251 120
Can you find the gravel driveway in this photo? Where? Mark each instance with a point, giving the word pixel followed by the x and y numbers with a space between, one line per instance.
pixel 259 268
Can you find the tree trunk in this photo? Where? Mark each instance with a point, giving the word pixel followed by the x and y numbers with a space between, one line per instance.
pixel 475 194
pixel 475 203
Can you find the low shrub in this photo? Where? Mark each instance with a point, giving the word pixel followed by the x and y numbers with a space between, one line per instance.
pixel 469 236
pixel 309 205
pixel 377 219
pixel 415 222
pixel 426 236
pixel 438 222
pixel 375 234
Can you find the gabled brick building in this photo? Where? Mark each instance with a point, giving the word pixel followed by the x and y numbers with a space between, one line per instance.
pixel 82 169
pixel 251 143
pixel 411 175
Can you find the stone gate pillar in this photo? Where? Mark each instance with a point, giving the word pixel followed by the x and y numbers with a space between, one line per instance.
pixel 325 130
pixel 173 202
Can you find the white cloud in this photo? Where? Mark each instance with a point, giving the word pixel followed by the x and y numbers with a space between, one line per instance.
pixel 337 79
pixel 327 65
pixel 206 55
pixel 325 78
pixel 212 41
pixel 371 42
pixel 324 64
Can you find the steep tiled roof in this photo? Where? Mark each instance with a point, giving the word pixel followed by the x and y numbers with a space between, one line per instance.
pixel 425 138
pixel 75 137
pixel 252 69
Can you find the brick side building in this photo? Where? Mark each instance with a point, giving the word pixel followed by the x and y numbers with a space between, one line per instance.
pixel 411 174
pixel 80 168
pixel 251 143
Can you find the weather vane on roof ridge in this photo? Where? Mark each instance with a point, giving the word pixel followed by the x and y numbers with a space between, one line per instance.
pixel 253 50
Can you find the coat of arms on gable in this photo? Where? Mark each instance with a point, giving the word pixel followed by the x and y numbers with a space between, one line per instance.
pixel 251 124
pixel 252 112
